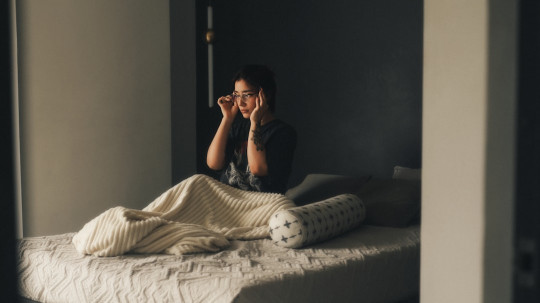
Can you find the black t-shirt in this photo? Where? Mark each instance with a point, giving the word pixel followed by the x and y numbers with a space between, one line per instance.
pixel 279 141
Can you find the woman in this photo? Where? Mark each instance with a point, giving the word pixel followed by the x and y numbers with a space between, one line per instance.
pixel 254 152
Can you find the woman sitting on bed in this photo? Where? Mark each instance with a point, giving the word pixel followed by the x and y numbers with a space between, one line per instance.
pixel 255 151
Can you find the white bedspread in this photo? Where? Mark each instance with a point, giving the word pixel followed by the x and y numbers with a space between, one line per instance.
pixel 368 264
pixel 198 214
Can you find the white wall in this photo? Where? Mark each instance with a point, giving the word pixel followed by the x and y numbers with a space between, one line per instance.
pixel 94 93
pixel 468 138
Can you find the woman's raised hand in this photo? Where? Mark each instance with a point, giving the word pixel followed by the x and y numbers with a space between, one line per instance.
pixel 261 106
pixel 229 109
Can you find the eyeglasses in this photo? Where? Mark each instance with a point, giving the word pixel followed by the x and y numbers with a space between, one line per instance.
pixel 244 97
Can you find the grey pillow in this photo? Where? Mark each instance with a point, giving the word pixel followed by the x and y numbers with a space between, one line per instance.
pixel 318 187
pixel 393 202
pixel 406 173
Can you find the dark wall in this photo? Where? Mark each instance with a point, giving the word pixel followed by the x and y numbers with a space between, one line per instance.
pixel 183 89
pixel 8 280
pixel 527 226
pixel 349 78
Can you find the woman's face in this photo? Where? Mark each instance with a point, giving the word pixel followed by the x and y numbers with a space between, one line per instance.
pixel 244 95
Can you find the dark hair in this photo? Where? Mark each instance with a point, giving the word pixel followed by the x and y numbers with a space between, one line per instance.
pixel 259 76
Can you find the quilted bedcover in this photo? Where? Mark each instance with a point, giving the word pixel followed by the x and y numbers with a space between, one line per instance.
pixel 367 264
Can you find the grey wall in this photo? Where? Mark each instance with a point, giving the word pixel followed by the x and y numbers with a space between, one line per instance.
pixel 469 104
pixel 94 89
pixel 349 78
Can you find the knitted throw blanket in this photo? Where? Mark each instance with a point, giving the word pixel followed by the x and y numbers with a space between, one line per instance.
pixel 199 214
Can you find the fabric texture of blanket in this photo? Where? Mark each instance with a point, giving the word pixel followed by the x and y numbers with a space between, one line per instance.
pixel 199 214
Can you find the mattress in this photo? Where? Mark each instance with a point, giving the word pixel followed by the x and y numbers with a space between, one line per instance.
pixel 367 264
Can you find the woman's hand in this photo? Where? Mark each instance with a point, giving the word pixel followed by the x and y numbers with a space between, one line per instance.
pixel 229 109
pixel 261 106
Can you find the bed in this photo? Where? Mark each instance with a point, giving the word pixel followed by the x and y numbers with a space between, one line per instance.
pixel 377 261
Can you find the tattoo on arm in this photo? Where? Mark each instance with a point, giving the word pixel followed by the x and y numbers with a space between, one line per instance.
pixel 257 137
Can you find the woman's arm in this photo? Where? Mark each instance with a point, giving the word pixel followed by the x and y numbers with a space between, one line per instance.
pixel 256 151
pixel 215 158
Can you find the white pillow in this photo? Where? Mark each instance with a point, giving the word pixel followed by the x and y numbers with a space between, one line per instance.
pixel 315 222
pixel 405 173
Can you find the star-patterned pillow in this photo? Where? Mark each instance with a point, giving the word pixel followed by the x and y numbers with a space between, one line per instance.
pixel 304 225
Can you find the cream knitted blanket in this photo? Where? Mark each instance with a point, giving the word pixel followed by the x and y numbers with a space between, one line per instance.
pixel 199 214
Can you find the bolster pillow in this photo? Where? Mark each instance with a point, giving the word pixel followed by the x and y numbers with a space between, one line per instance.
pixel 311 223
